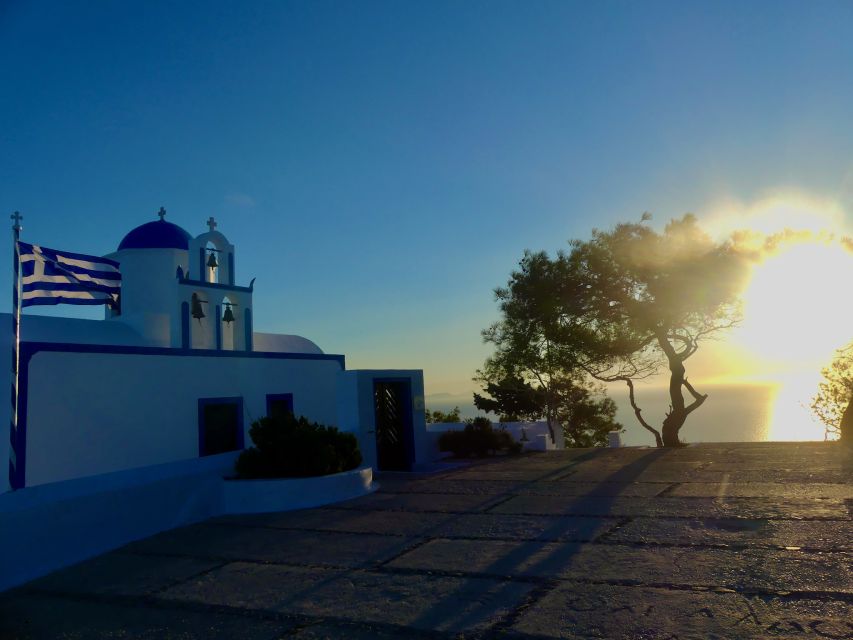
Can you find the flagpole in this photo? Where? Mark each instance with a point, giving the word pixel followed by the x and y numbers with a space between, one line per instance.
pixel 14 480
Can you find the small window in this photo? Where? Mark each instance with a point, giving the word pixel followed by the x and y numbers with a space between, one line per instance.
pixel 220 425
pixel 279 404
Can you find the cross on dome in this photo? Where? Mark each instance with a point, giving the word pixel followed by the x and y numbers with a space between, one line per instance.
pixel 211 223
pixel 162 213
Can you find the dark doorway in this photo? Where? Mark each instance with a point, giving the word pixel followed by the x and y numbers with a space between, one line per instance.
pixel 220 425
pixel 392 402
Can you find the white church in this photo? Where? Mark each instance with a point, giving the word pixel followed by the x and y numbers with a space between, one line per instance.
pixel 166 386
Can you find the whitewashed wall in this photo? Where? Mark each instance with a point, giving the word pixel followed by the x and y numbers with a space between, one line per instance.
pixel 91 413
pixel 149 293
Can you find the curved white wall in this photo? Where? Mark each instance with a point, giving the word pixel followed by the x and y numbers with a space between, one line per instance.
pixel 149 292
pixel 281 343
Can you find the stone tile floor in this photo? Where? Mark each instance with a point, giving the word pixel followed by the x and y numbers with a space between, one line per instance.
pixel 708 541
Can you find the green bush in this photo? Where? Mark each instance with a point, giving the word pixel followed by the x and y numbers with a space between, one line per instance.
pixel 287 446
pixel 478 438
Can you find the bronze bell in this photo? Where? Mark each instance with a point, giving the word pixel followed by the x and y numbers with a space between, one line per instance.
pixel 228 315
pixel 197 311
pixel 211 260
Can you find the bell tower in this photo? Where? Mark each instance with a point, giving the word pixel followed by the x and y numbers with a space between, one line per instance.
pixel 216 313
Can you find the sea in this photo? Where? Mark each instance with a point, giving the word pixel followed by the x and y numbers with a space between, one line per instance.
pixel 732 413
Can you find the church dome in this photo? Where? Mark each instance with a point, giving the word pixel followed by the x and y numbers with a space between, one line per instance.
pixel 156 235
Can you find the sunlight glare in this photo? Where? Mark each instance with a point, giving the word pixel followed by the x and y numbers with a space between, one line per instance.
pixel 776 213
pixel 796 311
pixel 790 417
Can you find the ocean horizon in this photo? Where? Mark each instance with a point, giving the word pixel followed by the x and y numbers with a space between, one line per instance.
pixel 732 413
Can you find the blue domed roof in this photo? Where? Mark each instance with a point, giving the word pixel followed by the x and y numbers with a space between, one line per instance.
pixel 156 235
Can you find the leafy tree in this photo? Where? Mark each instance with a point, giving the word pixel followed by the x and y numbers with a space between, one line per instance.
pixel 441 416
pixel 619 307
pixel 585 413
pixel 512 399
pixel 833 404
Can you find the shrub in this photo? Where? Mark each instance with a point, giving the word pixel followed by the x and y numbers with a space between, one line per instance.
pixel 287 446
pixel 478 438
pixel 441 416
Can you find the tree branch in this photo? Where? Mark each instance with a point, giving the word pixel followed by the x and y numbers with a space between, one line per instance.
pixel 698 398
pixel 639 412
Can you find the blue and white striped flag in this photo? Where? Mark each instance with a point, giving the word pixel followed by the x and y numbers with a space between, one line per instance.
pixel 53 277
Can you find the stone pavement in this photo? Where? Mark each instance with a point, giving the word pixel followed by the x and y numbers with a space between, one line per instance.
pixel 708 541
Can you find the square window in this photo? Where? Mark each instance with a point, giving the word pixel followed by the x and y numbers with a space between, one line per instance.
pixel 279 404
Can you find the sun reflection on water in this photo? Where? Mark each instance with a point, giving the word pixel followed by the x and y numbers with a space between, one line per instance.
pixel 789 416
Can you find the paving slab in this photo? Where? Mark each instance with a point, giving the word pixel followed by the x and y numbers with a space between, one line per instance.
pixel 221 541
pixel 251 585
pixel 41 617
pixel 678 567
pixel 753 508
pixel 545 488
pixel 598 611
pixel 708 541
pixel 421 502
pixel 443 525
pixel 423 602
pixel 787 491
pixel 835 535
pixel 123 574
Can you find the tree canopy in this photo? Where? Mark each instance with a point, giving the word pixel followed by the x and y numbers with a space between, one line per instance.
pixel 618 307
pixel 583 410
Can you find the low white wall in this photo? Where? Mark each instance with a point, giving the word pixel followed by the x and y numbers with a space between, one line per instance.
pixel 538 435
pixel 55 525
pixel 538 438
pixel 285 494
pixel 51 526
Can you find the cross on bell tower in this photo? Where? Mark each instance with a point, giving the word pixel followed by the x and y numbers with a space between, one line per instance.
pixel 211 223
pixel 162 213
pixel 17 217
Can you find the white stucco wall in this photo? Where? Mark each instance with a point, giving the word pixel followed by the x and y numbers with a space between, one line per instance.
pixel 149 293
pixel 91 413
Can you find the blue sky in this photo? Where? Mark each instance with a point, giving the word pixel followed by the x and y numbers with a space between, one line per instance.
pixel 381 166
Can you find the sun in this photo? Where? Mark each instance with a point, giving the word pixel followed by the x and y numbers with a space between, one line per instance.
pixel 797 307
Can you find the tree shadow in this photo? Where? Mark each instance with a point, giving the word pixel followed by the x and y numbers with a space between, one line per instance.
pixel 563 553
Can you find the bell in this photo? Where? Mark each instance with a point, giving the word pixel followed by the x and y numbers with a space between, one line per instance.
pixel 197 311
pixel 211 261
pixel 228 315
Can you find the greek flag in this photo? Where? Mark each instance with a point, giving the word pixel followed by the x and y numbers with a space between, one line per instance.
pixel 53 277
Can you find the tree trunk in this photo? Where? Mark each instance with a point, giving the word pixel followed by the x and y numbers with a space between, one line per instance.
pixel 671 426
pixel 846 427
pixel 677 414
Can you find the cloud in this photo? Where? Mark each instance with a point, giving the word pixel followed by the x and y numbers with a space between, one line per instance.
pixel 242 200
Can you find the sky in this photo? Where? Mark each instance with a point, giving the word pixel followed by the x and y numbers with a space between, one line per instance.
pixel 381 166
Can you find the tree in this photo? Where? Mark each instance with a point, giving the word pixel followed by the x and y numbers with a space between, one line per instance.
pixel 618 308
pixel 833 404
pixel 583 410
pixel 512 399
pixel 440 416
pixel 587 414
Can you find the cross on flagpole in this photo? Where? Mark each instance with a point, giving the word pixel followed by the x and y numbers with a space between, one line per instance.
pixel 15 481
